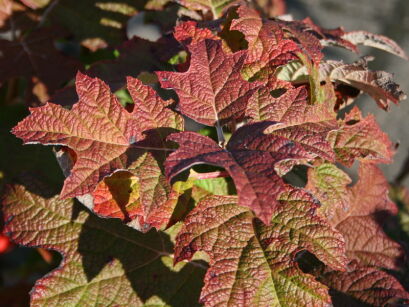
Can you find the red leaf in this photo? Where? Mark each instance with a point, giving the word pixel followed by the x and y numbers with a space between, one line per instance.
pixel 188 32
pixel 267 48
pixel 212 90
pixel 302 122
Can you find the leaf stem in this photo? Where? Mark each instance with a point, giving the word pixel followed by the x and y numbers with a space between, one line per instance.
pixel 153 148
pixel 220 135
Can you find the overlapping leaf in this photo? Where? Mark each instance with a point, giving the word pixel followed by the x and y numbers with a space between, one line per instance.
pixel 360 138
pixel 267 48
pixel 302 122
pixel 213 7
pixel 374 40
pixel 102 135
pixel 252 158
pixel 212 90
pixel 364 285
pixel 105 263
pixel 378 84
pixel 358 213
pixel 252 264
pixel 353 211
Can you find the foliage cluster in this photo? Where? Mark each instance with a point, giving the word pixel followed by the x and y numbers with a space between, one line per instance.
pixel 254 206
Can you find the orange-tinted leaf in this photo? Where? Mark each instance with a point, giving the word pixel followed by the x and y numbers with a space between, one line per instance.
pixel 267 48
pixel 97 128
pixel 189 33
pixel 252 264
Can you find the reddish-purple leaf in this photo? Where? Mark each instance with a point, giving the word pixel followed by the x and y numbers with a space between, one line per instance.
pixel 212 90
pixel 364 284
pixel 252 264
pixel 35 58
pixel 251 158
pixel 302 122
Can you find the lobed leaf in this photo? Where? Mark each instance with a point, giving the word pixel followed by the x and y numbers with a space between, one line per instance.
pixel 302 122
pixel 252 264
pixel 357 212
pixel 212 90
pixel 250 158
pixel 364 285
pixel 104 263
pixel 106 138
pixel 360 138
pixel 267 47
pixel 375 40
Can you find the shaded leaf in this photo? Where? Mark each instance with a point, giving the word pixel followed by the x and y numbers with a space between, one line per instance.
pixel 252 264
pixel 105 263
pixel 35 58
pixel 212 90
pixel 95 24
pixel 366 284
